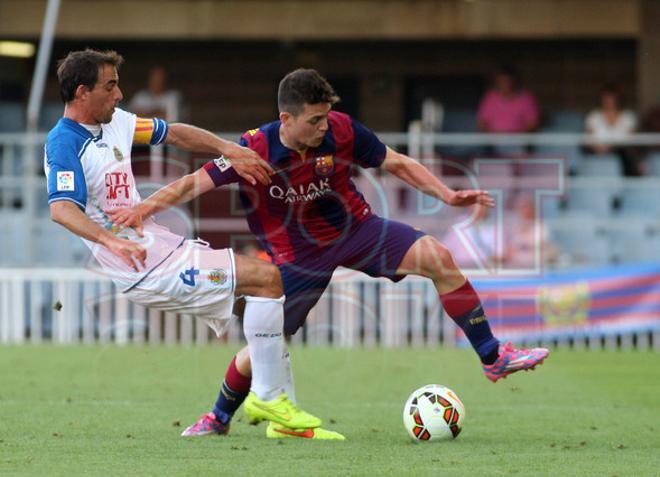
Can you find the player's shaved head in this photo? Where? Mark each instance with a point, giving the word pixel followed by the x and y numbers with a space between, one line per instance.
pixel 304 86
pixel 82 68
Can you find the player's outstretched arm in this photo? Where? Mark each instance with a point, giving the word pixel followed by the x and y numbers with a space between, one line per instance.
pixel 180 191
pixel 412 172
pixel 245 161
pixel 71 217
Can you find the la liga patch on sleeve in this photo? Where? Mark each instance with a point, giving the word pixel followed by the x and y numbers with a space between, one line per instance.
pixel 65 181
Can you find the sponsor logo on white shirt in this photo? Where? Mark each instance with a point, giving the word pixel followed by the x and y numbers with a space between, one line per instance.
pixel 117 185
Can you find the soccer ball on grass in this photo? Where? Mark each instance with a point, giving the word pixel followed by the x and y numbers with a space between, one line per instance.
pixel 433 412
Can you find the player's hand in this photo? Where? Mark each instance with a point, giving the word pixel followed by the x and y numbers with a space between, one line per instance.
pixel 126 217
pixel 464 198
pixel 248 164
pixel 133 254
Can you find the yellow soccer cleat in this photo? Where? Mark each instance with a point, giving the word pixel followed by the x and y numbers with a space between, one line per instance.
pixel 280 411
pixel 275 431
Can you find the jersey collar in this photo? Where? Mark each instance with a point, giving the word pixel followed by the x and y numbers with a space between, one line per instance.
pixel 279 153
pixel 70 123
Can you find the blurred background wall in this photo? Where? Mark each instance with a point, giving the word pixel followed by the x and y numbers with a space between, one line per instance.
pixel 400 51
pixel 404 68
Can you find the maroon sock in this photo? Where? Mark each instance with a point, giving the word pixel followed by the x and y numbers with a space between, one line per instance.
pixel 233 392
pixel 235 379
pixel 464 307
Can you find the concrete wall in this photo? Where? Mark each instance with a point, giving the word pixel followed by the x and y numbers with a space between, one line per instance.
pixel 227 56
pixel 649 55
pixel 323 19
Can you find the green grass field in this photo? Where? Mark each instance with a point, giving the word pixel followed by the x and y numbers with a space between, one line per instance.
pixel 119 411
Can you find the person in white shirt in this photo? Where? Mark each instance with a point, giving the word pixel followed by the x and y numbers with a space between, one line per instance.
pixel 474 242
pixel 88 166
pixel 157 99
pixel 611 122
pixel 528 245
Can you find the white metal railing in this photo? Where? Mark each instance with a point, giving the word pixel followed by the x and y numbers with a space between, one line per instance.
pixel 80 307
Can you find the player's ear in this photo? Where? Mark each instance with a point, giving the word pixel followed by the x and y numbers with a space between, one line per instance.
pixel 81 91
pixel 285 117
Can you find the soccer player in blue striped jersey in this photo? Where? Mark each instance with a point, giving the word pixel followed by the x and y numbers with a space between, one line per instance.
pixel 88 166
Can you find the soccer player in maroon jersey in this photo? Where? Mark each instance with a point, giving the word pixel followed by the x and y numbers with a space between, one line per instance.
pixel 311 219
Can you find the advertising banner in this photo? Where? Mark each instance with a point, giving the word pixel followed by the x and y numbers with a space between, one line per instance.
pixel 577 304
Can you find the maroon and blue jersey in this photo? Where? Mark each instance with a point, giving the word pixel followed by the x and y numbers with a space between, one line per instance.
pixel 312 202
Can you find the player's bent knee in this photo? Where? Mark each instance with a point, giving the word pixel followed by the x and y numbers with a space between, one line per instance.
pixel 438 259
pixel 271 281
pixel 256 277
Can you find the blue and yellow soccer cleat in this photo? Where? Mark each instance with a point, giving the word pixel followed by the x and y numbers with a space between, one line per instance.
pixel 276 431
pixel 280 411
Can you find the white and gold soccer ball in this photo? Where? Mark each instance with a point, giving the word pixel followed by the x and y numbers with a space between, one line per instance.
pixel 433 412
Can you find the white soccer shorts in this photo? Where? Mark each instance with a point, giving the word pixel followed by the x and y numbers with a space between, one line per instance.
pixel 195 280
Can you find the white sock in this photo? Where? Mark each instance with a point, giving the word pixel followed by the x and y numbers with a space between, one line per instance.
pixel 288 387
pixel 263 325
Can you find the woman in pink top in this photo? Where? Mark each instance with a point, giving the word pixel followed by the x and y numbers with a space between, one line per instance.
pixel 507 108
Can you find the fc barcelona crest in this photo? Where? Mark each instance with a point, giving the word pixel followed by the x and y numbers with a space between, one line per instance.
pixel 118 155
pixel 324 166
pixel 565 305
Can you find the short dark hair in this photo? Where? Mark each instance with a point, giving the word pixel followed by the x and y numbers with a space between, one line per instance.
pixel 511 72
pixel 611 88
pixel 82 68
pixel 304 86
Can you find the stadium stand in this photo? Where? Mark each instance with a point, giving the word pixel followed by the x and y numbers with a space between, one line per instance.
pixel 571 154
pixel 637 241
pixel 598 200
pixel 552 207
pixel 460 120
pixel 581 240
pixel 653 161
pixel 51 112
pixel 600 165
pixel 566 121
pixel 639 198
pixel 12 117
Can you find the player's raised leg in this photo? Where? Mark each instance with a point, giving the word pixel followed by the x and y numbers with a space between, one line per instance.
pixel 429 258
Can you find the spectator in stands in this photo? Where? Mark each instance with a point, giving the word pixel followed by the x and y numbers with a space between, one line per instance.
pixel 526 236
pixel 611 122
pixel 157 100
pixel 508 108
pixel 480 235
